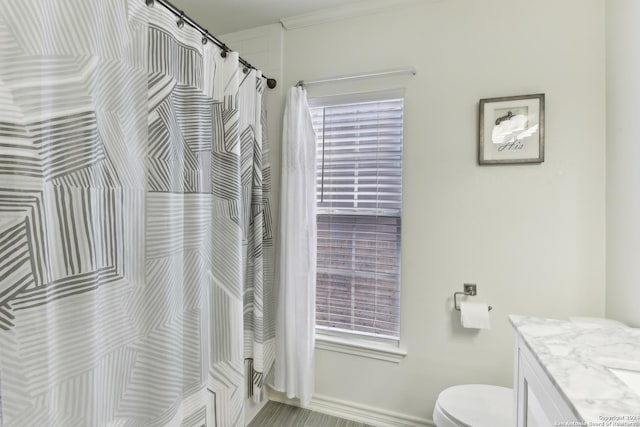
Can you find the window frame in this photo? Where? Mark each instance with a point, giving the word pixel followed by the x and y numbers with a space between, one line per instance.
pixel 361 343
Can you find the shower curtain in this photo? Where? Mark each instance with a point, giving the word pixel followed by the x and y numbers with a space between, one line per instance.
pixel 135 228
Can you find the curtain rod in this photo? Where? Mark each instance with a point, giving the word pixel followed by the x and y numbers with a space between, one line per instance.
pixel 383 73
pixel 271 83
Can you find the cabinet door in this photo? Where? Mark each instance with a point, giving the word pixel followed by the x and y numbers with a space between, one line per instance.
pixel 530 412
pixel 538 403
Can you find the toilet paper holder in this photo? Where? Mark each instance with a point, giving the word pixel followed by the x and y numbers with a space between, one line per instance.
pixel 470 289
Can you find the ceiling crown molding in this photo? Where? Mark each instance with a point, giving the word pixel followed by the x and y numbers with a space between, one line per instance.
pixel 340 12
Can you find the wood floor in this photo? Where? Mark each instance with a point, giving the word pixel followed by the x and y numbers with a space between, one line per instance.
pixel 276 414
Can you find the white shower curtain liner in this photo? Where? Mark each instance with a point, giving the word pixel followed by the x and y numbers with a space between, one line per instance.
pixel 295 319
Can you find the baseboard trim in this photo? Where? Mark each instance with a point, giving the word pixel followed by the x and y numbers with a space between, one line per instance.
pixel 355 411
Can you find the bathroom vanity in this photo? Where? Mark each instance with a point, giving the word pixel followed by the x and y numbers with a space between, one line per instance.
pixel 572 374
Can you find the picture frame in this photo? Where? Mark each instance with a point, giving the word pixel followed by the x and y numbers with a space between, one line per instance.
pixel 511 130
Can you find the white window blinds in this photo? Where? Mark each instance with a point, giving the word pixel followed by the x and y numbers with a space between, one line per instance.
pixel 359 199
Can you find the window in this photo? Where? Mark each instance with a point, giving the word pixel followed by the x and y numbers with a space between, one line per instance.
pixel 359 201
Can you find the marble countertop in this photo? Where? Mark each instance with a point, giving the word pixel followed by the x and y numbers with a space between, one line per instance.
pixel 573 356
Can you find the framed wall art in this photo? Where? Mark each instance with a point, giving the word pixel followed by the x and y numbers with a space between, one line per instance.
pixel 511 130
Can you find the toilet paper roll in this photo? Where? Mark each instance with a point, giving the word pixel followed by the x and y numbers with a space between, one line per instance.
pixel 474 315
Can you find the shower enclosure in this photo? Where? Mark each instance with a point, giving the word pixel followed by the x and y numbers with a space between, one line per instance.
pixel 135 226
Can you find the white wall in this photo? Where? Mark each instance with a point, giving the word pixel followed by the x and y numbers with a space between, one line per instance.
pixel 531 236
pixel 623 154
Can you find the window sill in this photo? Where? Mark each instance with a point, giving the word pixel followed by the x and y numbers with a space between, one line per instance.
pixel 360 348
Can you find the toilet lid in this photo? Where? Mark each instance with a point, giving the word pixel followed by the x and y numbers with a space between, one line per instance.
pixel 478 405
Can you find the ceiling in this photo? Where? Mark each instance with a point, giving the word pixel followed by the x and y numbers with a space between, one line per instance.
pixel 227 16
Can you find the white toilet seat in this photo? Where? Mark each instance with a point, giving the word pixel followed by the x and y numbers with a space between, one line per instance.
pixel 441 419
pixel 474 405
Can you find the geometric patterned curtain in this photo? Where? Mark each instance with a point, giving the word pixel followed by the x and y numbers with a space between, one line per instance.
pixel 135 225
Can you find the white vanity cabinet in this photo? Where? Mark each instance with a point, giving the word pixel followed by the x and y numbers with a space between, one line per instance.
pixel 538 402
pixel 563 376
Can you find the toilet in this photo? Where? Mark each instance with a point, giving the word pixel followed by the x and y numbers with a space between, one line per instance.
pixel 474 405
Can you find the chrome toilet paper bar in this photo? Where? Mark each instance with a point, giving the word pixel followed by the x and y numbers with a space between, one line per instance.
pixel 470 289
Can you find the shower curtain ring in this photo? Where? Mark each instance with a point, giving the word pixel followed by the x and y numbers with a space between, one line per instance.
pixel 245 70
pixel 205 37
pixel 150 3
pixel 180 22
